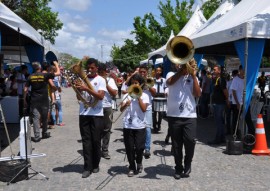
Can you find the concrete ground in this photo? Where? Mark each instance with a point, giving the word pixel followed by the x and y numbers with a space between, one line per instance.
pixel 212 169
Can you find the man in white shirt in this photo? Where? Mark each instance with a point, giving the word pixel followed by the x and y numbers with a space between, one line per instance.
pixel 182 117
pixel 110 93
pixel 237 88
pixel 91 119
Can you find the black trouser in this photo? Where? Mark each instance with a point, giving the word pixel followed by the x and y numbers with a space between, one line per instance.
pixel 204 101
pixel 134 140
pixel 90 129
pixel 21 105
pixel 229 111
pixel 157 118
pixel 183 133
pixel 107 126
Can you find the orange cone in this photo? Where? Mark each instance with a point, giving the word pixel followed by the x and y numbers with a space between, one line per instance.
pixel 260 147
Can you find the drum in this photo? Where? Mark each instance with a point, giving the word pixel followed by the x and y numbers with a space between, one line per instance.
pixel 160 104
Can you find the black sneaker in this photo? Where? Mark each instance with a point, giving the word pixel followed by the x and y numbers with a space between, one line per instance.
pixel 35 139
pixel 177 176
pixel 96 170
pixel 130 173
pixel 86 173
pixel 147 154
pixel 106 156
pixel 187 171
pixel 46 135
pixel 139 168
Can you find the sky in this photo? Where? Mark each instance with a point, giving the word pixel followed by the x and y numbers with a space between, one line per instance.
pixel 92 27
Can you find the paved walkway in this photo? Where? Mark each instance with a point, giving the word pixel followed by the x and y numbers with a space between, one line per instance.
pixel 211 170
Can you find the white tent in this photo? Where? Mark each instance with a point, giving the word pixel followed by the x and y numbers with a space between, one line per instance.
pixel 225 6
pixel 162 50
pixel 243 31
pixel 19 41
pixel 146 61
pixel 249 18
pixel 11 20
pixel 196 21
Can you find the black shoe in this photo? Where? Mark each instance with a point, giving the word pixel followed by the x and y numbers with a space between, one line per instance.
pixel 35 139
pixel 96 170
pixel 177 176
pixel 86 173
pixel 46 135
pixel 139 168
pixel 159 128
pixel 106 156
pixel 187 171
pixel 147 154
pixel 130 173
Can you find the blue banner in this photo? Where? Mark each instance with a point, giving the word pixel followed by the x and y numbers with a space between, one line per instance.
pixel 254 56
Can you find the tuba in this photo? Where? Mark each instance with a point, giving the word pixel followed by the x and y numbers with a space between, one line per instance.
pixel 77 76
pixel 180 51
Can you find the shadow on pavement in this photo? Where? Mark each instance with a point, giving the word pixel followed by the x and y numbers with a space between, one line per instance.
pixel 161 169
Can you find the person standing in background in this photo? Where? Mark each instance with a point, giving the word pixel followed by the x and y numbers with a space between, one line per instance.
pixel 21 79
pixel 160 85
pixel 110 93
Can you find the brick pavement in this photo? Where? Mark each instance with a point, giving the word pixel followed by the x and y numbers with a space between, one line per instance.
pixel 211 170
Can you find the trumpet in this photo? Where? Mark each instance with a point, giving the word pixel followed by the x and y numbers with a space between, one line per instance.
pixel 149 82
pixel 135 92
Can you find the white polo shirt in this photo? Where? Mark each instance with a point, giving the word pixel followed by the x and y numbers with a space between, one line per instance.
pixel 98 83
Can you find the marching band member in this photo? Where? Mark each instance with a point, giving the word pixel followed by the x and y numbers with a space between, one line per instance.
pixel 110 92
pixel 151 92
pixel 160 85
pixel 181 112
pixel 134 126
pixel 91 119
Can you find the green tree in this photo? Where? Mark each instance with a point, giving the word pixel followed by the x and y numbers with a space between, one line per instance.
pixel 38 15
pixel 210 7
pixel 150 34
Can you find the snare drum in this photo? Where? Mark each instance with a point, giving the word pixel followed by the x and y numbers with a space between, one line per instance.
pixel 160 104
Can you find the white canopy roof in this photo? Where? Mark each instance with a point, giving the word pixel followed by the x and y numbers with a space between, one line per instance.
pixel 225 6
pixel 192 25
pixel 162 50
pixel 146 61
pixel 249 18
pixel 13 21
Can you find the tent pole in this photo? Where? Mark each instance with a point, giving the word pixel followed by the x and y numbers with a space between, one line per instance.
pixel 243 130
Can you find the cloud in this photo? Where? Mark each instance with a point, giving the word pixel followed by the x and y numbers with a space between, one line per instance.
pixel 77 27
pixel 116 35
pixel 78 5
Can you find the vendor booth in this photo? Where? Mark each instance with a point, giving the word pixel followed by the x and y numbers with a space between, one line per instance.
pixel 243 32
pixel 19 43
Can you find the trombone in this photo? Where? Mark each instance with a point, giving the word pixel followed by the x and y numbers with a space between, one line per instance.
pixel 180 51
pixel 135 92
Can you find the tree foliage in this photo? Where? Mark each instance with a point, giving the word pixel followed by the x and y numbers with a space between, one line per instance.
pixel 38 15
pixel 210 7
pixel 150 34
